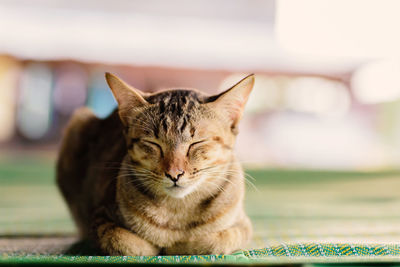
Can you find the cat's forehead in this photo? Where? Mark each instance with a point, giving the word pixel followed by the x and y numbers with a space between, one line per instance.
pixel 180 96
pixel 175 105
pixel 174 114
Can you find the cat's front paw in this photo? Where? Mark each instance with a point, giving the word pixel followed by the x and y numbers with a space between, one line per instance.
pixel 121 242
pixel 188 248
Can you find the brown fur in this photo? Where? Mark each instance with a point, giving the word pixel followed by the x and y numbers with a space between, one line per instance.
pixel 159 175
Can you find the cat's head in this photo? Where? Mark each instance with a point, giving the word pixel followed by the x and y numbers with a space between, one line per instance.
pixel 179 140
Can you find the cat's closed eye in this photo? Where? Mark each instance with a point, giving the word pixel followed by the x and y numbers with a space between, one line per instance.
pixel 150 147
pixel 192 146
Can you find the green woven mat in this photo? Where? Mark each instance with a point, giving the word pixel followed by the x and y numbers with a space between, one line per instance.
pixel 299 216
pixel 296 253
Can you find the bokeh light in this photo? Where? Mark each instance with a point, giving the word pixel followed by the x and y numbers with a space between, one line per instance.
pixel 70 90
pixel 34 101
pixel 377 82
pixel 9 70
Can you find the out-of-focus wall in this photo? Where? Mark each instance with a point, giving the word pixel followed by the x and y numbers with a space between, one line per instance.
pixel 320 100
pixel 291 120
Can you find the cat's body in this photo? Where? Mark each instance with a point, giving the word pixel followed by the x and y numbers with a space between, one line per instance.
pixel 159 176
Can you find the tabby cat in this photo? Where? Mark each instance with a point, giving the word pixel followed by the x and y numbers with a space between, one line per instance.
pixel 159 175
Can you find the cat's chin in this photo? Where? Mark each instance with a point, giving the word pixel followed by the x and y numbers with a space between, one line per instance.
pixel 178 192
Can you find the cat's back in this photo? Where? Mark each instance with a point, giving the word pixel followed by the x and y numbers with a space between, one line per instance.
pixel 88 162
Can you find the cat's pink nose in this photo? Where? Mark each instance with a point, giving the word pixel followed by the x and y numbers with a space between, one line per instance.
pixel 174 174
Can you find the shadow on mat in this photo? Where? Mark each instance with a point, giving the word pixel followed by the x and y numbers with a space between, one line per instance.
pixel 83 248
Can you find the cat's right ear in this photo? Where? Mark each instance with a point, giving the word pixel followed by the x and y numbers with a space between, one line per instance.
pixel 128 98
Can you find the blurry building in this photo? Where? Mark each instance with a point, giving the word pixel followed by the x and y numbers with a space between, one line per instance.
pixel 327 92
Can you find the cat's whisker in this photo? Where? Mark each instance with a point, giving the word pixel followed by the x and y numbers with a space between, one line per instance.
pixel 137 169
pixel 221 175
pixel 249 176
pixel 210 193
pixel 136 175
pixel 143 183
pixel 227 180
pixel 252 185
pixel 218 187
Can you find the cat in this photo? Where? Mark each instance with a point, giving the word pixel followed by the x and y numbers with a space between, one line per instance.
pixel 158 176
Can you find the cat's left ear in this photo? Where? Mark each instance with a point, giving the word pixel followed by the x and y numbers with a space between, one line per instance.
pixel 128 98
pixel 231 102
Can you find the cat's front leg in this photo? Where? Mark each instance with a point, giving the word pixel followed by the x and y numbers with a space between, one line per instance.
pixel 117 241
pixel 223 242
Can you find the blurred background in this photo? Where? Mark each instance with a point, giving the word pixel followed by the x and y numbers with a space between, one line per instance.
pixel 321 131
pixel 327 92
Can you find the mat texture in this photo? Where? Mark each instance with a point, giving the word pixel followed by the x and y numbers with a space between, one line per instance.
pixel 299 217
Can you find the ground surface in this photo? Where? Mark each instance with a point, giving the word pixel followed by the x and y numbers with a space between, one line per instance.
pixel 289 209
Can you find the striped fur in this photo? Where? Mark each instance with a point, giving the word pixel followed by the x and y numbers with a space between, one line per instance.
pixel 159 176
